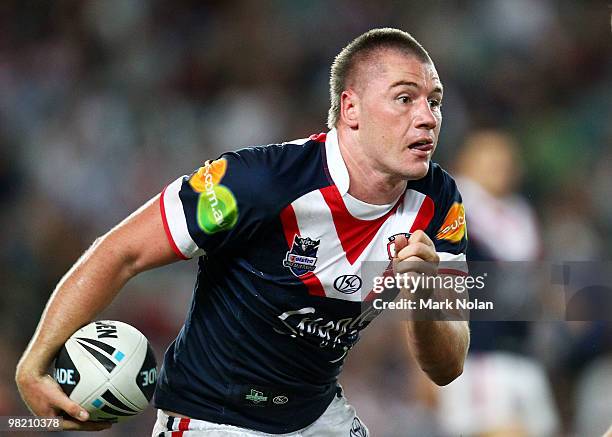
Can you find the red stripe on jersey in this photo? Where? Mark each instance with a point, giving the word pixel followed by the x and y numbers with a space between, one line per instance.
pixel 177 434
pixel 184 424
pixel 319 138
pixel 290 226
pixel 311 281
pixel 291 229
pixel 424 216
pixel 167 228
pixel 354 234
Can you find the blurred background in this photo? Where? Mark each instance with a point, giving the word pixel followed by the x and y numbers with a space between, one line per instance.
pixel 104 102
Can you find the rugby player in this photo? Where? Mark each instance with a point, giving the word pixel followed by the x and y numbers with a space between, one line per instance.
pixel 281 232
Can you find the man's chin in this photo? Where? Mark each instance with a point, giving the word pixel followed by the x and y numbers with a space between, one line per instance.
pixel 417 171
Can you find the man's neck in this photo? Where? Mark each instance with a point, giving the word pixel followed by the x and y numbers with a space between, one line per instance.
pixel 367 183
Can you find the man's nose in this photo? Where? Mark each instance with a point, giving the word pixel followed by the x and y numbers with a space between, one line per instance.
pixel 425 118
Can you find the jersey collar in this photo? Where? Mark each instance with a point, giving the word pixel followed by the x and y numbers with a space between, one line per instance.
pixel 335 162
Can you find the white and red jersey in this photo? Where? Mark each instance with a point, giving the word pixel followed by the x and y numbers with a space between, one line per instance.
pixel 279 297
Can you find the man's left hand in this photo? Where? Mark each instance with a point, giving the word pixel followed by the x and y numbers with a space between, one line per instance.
pixel 415 255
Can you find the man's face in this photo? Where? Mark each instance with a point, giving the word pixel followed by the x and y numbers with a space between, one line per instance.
pixel 398 113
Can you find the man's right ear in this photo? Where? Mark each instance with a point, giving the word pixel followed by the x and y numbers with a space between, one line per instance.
pixel 349 108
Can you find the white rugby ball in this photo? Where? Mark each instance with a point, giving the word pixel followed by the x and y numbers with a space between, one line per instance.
pixel 107 367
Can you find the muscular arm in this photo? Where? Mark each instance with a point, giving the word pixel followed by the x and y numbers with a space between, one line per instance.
pixel 138 243
pixel 439 346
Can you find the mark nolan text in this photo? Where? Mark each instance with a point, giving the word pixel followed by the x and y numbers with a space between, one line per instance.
pixel 433 304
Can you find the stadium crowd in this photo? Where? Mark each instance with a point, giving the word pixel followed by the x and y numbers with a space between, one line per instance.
pixel 102 103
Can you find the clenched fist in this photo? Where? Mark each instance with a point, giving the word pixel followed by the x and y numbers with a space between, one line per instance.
pixel 415 255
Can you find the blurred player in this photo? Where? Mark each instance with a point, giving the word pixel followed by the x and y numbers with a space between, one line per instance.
pixel 281 232
pixel 503 391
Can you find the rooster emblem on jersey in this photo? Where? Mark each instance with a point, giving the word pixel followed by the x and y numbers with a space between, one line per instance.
pixel 302 258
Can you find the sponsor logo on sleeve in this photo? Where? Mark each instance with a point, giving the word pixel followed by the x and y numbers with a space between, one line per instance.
pixel 217 207
pixel 453 229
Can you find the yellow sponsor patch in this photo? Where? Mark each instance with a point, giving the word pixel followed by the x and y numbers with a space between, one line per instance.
pixel 210 174
pixel 217 208
pixel 453 229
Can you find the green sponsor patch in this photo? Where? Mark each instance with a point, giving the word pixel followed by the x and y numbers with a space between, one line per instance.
pixel 217 210
pixel 256 396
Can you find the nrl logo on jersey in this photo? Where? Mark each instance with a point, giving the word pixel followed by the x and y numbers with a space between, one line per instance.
pixel 302 258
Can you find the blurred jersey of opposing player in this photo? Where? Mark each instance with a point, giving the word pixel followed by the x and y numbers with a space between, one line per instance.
pixel 503 391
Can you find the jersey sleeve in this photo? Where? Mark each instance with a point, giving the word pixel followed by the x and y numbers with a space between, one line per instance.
pixel 450 230
pixel 213 207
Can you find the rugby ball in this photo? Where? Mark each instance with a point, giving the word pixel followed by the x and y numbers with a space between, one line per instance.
pixel 107 367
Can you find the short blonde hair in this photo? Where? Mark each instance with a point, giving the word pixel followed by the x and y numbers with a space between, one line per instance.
pixel 360 49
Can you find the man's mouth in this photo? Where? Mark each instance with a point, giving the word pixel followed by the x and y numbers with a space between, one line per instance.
pixel 424 145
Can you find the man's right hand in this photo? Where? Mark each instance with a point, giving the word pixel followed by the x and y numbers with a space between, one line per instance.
pixel 137 244
pixel 44 397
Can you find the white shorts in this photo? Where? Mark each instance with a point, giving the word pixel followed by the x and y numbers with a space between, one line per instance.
pixel 499 391
pixel 339 420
